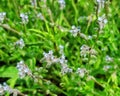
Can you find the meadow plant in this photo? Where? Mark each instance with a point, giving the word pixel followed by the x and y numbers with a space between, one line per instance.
pixel 2 16
pixel 24 18
pixel 59 48
pixel 20 43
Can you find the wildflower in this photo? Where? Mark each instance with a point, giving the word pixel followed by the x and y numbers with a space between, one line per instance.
pixel 24 18
pixel 40 16
pixel 50 58
pixel 2 91
pixel 65 69
pixel 74 31
pixel 2 16
pixel 62 60
pixel 20 43
pixel 23 69
pixel 62 4
pixel 6 88
pixel 90 37
pixel 108 59
pixel 34 3
pixel 100 5
pixel 81 72
pixel 86 50
pixel 106 67
pixel 61 49
pixel 102 21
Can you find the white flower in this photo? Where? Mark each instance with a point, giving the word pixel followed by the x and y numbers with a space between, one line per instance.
pixel 102 21
pixel 24 18
pixel 49 58
pixel 33 3
pixel 106 67
pixel 2 91
pixel 108 59
pixel 23 69
pixel 85 50
pixel 62 60
pixel 74 31
pixel 62 4
pixel 2 16
pixel 81 72
pixel 99 1
pixel 20 43
pixel 61 49
pixel 40 16
pixel 65 69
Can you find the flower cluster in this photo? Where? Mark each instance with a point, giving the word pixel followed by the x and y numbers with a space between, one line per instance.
pixel 62 4
pixel 102 21
pixel 74 31
pixel 64 67
pixel 6 88
pixel 49 58
pixel 40 16
pixel 20 43
pixel 100 5
pixel 23 70
pixel 33 3
pixel 81 72
pixel 63 62
pixel 106 67
pixel 108 59
pixel 61 49
pixel 24 18
pixel 101 18
pixel 2 16
pixel 86 50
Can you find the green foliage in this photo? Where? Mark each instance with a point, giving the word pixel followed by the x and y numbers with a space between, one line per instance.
pixel 101 74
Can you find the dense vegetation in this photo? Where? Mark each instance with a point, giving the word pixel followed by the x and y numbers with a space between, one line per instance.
pixel 59 47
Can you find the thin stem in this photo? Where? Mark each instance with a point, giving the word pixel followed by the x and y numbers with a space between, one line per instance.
pixel 5 26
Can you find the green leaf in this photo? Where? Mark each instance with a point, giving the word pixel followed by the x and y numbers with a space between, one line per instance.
pixel 11 72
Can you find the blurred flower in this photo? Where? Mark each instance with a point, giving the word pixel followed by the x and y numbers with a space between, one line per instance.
pixel 62 60
pixel 65 69
pixel 106 67
pixel 23 69
pixel 102 21
pixel 20 43
pixel 81 72
pixel 100 5
pixel 86 50
pixel 6 88
pixel 2 91
pixel 74 31
pixel 108 59
pixel 34 3
pixel 61 49
pixel 40 16
pixel 62 4
pixel 24 18
pixel 50 58
pixel 2 16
